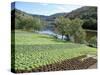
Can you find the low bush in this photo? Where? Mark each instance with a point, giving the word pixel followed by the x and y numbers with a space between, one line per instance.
pixel 93 42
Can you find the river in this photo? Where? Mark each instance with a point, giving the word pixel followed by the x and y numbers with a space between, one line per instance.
pixel 49 32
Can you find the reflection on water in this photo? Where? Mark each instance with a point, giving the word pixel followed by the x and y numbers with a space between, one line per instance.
pixel 49 32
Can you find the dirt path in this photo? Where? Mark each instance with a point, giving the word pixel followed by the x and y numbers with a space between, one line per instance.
pixel 93 66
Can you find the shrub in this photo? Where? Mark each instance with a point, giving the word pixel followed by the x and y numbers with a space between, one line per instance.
pixel 93 42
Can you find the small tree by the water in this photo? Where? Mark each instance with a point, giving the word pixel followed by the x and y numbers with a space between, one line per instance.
pixel 72 29
pixel 77 31
pixel 60 23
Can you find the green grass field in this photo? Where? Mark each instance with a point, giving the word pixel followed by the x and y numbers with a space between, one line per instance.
pixel 33 50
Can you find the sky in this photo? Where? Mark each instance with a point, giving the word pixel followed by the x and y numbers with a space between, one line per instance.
pixel 44 8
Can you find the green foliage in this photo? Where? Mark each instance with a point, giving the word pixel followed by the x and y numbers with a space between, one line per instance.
pixel 75 25
pixel 30 23
pixel 27 22
pixel 76 30
pixel 17 22
pixel 93 41
pixel 86 13
pixel 80 36
pixel 90 24
pixel 71 28
pixel 60 23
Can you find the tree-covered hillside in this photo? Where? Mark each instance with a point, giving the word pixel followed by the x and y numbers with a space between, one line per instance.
pixel 88 14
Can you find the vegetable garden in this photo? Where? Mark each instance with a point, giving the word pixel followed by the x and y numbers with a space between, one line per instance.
pixel 39 52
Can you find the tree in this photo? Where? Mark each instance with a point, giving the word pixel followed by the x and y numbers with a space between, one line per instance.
pixel 93 41
pixel 25 21
pixel 60 25
pixel 77 33
pixel 72 29
pixel 30 23
pixel 17 22
pixel 38 24
pixel 80 36
pixel 90 24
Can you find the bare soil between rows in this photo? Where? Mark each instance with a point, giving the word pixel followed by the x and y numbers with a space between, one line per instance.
pixel 69 64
